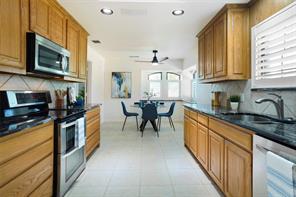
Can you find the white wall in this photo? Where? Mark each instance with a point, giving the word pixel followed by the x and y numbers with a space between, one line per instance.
pixel 113 110
pixel 96 78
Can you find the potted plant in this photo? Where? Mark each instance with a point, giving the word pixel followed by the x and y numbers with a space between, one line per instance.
pixel 149 95
pixel 234 102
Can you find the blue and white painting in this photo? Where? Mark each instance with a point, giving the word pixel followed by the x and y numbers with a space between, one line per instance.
pixel 121 85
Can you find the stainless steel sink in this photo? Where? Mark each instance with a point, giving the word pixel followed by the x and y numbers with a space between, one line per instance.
pixel 254 118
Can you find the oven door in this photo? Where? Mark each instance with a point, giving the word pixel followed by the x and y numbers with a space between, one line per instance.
pixel 68 137
pixel 50 57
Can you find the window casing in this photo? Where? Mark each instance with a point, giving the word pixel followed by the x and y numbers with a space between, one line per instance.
pixel 274 51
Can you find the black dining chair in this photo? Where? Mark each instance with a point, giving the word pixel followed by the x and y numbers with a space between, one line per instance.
pixel 149 114
pixel 168 115
pixel 128 114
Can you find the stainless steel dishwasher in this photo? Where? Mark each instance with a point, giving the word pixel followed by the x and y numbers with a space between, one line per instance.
pixel 260 147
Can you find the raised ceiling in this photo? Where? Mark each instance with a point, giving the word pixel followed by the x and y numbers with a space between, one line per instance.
pixel 139 26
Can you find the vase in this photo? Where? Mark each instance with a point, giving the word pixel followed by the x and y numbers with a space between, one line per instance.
pixel 234 106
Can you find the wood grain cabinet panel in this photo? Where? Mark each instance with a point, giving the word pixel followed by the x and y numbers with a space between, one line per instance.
pixel 201 57
pixel 83 55
pixel 202 145
pixel 73 32
pixel 209 52
pixel 238 169
pixel 44 190
pixel 13 23
pixel 193 136
pixel 216 158
pixel 57 26
pixel 186 130
pixel 39 17
pixel 92 130
pixel 220 34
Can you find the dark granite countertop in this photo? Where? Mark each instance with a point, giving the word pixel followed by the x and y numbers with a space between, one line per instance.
pixel 283 133
pixel 7 128
pixel 90 106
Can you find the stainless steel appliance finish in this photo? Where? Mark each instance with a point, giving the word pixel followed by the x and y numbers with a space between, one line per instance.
pixel 260 147
pixel 71 158
pixel 46 57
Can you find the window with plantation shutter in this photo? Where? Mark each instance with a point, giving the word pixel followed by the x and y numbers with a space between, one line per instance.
pixel 274 50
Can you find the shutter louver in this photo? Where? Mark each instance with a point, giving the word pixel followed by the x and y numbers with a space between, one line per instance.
pixel 274 50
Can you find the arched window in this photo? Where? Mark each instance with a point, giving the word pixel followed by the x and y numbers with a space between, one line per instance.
pixel 172 76
pixel 155 76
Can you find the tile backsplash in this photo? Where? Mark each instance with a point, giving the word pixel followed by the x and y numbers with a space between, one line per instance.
pixel 243 88
pixel 19 82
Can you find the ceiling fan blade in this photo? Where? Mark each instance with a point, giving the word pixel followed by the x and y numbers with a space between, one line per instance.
pixel 142 61
pixel 164 59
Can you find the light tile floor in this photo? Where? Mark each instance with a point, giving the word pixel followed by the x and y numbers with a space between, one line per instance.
pixel 127 165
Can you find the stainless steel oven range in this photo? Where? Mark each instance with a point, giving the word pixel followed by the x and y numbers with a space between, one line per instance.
pixel 69 148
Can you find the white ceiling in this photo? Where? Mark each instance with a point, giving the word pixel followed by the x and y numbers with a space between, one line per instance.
pixel 139 26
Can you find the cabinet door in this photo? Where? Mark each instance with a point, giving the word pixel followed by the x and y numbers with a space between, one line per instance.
pixel 193 137
pixel 186 131
pixel 201 58
pixel 238 164
pixel 208 50
pixel 57 26
pixel 202 145
pixel 13 33
pixel 73 46
pixel 83 55
pixel 216 158
pixel 39 17
pixel 220 33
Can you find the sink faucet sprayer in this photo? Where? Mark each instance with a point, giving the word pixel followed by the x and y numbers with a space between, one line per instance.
pixel 279 104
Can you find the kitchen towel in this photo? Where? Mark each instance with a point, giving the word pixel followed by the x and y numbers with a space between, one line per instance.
pixel 281 175
pixel 81 132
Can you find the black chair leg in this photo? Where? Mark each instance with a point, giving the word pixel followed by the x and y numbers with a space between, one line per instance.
pixel 143 126
pixel 172 123
pixel 159 124
pixel 137 123
pixel 124 123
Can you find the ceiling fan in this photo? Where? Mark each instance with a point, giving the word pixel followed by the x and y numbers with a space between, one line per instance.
pixel 154 61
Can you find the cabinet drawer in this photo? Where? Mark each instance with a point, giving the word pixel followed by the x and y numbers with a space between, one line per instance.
pixel 92 113
pixel 202 119
pixel 186 112
pixel 233 134
pixel 193 115
pixel 27 182
pixel 92 126
pixel 18 165
pixel 21 142
pixel 45 189
pixel 92 142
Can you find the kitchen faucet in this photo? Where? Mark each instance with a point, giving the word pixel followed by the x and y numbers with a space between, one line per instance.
pixel 279 104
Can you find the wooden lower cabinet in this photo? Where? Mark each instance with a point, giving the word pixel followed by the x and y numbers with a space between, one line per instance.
pixel 238 168
pixel 186 130
pixel 193 136
pixel 216 158
pixel 202 145
pixel 92 130
pixel 224 152
pixel 26 162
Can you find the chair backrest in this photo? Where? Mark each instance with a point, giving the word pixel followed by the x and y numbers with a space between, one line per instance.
pixel 149 112
pixel 172 107
pixel 123 108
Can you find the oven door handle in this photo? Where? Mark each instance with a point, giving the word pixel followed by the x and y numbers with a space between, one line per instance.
pixel 68 125
pixel 70 153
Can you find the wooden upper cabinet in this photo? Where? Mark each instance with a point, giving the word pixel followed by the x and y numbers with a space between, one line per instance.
pixel 216 158
pixel 201 57
pixel 220 46
pixel 73 32
pixel 202 145
pixel 39 17
pixel 227 45
pixel 208 53
pixel 83 54
pixel 57 26
pixel 13 23
pixel 238 170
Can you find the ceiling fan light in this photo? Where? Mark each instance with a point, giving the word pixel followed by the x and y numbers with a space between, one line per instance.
pixel 154 64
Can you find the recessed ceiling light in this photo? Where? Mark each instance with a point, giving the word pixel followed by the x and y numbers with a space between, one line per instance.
pixel 178 12
pixel 106 11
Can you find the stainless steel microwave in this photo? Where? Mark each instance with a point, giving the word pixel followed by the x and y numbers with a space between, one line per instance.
pixel 46 57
